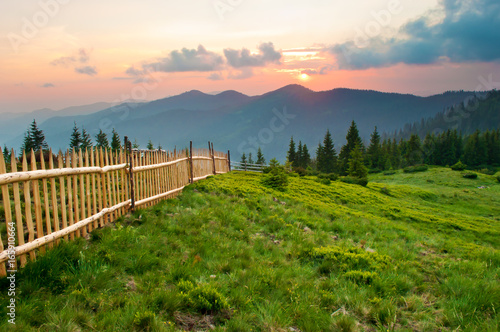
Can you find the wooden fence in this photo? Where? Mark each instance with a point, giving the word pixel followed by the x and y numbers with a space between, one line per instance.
pixel 237 166
pixel 74 193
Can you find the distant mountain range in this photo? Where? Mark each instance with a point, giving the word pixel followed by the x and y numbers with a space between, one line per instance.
pixel 241 123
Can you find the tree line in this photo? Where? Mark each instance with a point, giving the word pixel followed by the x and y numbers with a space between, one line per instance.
pixel 34 139
pixel 480 149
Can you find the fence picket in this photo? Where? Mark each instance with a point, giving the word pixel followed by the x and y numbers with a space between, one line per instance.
pixel 18 208
pixel 46 202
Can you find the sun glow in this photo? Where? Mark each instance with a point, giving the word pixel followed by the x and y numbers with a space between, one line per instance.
pixel 304 77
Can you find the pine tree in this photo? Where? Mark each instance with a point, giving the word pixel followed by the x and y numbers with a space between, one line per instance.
pixel 329 155
pixel 357 167
pixel 413 154
pixel 319 157
pixel 260 157
pixel 160 147
pixel 291 155
pixel 476 151
pixel 150 145
pixel 75 139
pixel 353 139
pixel 298 156
pixel 250 159
pixel 374 151
pixel 115 141
pixel 86 141
pixel 135 145
pixel 244 159
pixel 306 157
pixel 429 149
pixel 395 155
pixel 34 139
pixel 6 154
pixel 101 140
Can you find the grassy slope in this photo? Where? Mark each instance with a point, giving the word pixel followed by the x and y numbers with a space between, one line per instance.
pixel 409 252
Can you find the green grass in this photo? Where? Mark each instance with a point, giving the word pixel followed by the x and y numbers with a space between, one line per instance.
pixel 409 252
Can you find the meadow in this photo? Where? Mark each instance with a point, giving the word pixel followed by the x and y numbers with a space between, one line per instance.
pixel 409 252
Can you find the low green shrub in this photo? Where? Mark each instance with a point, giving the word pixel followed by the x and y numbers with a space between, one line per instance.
pixel 361 277
pixel 389 172
pixel 300 171
pixel 144 320
pixel 498 178
pixel 352 180
pixel 469 175
pixel 416 168
pixel 324 181
pixel 459 166
pixel 488 171
pixel 329 176
pixel 385 191
pixel 347 259
pixel 374 171
pixel 203 298
pixel 276 177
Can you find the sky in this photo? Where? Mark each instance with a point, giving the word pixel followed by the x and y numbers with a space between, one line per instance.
pixel 61 53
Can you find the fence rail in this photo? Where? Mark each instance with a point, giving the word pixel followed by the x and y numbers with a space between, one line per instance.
pixel 74 193
pixel 237 166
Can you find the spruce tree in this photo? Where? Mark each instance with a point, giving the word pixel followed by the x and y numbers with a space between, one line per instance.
pixel 374 151
pixel 76 139
pixel 101 140
pixel 250 159
pixel 135 145
pixel 356 163
pixel 34 139
pixel 319 157
pixel 353 139
pixel 291 155
pixel 395 154
pixel 298 156
pixel 150 145
pixel 115 141
pixel 306 157
pixel 413 154
pixel 429 148
pixel 329 161
pixel 244 159
pixel 6 154
pixel 260 157
pixel 86 140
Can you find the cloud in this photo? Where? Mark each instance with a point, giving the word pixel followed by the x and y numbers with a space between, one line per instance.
pixel 321 71
pixel 183 61
pixel 468 32
pixel 79 61
pixel 87 70
pixel 243 58
pixel 48 85
pixel 215 77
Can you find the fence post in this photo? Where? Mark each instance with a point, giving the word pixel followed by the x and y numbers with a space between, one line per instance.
pixel 213 158
pixel 128 152
pixel 191 160
pixel 229 159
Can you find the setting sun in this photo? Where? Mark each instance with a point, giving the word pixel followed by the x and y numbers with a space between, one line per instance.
pixel 304 77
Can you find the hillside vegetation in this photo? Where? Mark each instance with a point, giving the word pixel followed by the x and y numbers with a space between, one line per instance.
pixel 409 252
